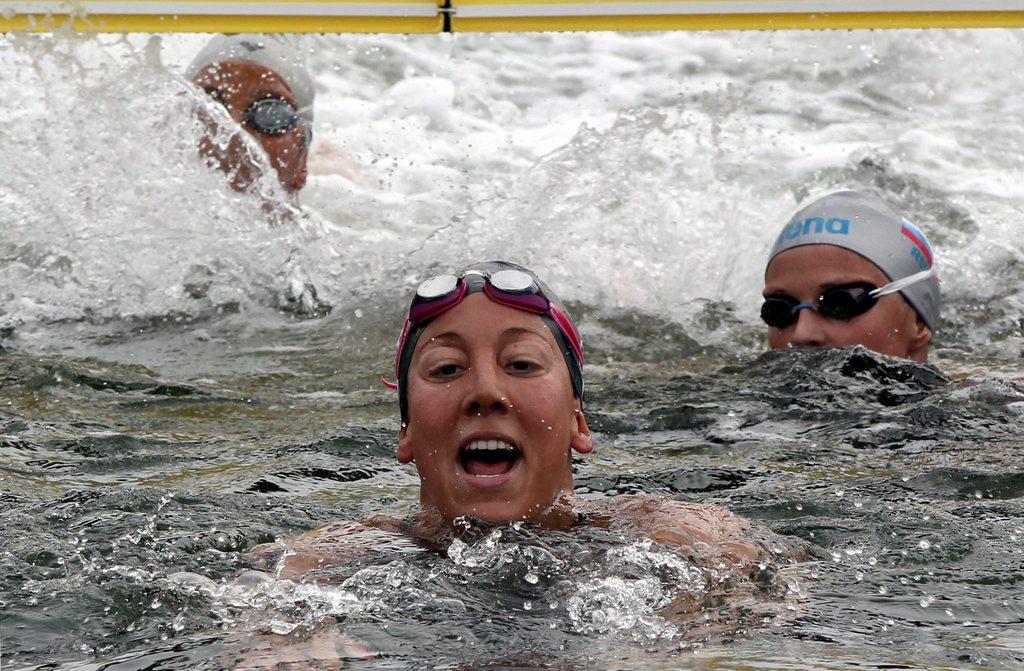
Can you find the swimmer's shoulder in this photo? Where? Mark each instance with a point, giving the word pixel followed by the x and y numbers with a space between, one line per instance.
pixel 705 531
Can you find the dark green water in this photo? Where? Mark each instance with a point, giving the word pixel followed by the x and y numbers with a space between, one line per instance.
pixel 117 476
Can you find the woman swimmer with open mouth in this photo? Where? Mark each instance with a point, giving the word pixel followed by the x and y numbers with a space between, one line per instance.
pixel 490 383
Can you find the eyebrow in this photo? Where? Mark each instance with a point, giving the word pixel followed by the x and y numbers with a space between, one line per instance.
pixel 821 287
pixel 521 330
pixel 448 337
pixel 833 285
pixel 452 338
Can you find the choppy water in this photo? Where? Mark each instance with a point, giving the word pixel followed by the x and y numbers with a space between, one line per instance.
pixel 172 394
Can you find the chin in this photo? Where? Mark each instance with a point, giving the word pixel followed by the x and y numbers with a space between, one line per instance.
pixel 495 513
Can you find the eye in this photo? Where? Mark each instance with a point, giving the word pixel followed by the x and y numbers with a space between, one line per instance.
pixel 523 366
pixel 445 370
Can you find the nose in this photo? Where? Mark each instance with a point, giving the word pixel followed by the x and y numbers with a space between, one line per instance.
pixel 487 395
pixel 809 330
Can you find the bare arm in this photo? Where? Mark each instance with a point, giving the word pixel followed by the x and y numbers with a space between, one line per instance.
pixel 310 554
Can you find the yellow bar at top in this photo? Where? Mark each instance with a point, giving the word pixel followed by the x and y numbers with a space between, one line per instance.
pixel 199 16
pixel 846 21
pixel 426 16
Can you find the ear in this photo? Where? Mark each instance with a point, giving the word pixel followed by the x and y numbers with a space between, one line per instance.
pixel 300 179
pixel 405 452
pixel 917 348
pixel 581 440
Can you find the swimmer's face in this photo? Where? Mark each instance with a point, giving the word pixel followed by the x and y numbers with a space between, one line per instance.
pixel 238 84
pixel 891 327
pixel 486 376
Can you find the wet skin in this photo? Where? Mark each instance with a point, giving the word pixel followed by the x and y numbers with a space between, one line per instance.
pixel 238 84
pixel 483 371
pixel 891 327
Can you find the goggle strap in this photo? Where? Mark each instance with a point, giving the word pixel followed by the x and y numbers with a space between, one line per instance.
pixel 566 326
pixel 406 329
pixel 903 283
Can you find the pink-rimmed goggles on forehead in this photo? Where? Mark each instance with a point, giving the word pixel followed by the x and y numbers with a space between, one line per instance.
pixel 509 287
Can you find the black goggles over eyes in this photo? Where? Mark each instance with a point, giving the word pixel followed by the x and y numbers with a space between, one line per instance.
pixel 271 116
pixel 843 302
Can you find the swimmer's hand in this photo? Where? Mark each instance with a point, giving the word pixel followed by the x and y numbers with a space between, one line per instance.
pixel 311 555
pixel 323 649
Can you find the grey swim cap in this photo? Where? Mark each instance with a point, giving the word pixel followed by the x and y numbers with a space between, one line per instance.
pixel 269 51
pixel 863 223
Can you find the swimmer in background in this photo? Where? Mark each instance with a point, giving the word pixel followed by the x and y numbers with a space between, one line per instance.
pixel 489 373
pixel 848 270
pixel 267 89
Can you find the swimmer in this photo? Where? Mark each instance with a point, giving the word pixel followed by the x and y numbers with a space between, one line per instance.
pixel 490 382
pixel 267 90
pixel 848 270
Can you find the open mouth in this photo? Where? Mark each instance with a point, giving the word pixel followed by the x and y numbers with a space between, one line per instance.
pixel 488 458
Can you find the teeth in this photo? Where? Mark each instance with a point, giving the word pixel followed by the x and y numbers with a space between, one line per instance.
pixel 490 445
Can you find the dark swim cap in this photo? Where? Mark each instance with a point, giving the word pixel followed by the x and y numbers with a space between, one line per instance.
pixel 863 223
pixel 475 283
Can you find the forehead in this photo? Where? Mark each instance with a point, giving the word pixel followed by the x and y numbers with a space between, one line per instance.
pixel 479 320
pixel 240 73
pixel 822 264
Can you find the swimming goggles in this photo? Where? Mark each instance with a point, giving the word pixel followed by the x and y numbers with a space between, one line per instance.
pixel 271 116
pixel 509 287
pixel 842 302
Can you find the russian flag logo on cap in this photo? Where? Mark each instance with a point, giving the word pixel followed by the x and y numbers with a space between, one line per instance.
pixel 917 237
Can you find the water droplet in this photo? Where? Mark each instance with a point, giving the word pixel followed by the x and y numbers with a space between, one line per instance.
pixel 924 545
pixel 155 604
pixel 528 605
pixel 531 578
pixel 799 506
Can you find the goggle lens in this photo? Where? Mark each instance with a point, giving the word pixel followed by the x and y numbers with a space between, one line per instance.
pixel 778 312
pixel 272 116
pixel 511 280
pixel 845 303
pixel 437 286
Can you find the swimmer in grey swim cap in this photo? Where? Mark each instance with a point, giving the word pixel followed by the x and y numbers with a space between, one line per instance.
pixel 267 90
pixel 848 270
